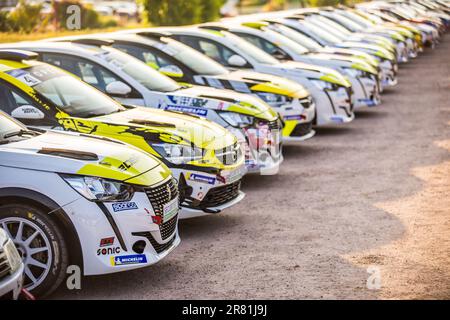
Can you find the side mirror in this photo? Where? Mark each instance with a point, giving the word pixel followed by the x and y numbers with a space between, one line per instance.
pixel 279 54
pixel 172 71
pixel 27 112
pixel 236 61
pixel 118 88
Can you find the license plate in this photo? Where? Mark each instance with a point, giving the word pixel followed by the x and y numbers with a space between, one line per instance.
pixel 170 209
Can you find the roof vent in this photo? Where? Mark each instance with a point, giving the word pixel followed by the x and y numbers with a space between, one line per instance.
pixel 18 55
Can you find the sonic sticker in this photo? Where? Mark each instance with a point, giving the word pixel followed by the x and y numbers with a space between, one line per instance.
pixel 127 260
pixel 123 206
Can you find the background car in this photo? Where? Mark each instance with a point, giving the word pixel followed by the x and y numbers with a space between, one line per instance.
pixel 11 268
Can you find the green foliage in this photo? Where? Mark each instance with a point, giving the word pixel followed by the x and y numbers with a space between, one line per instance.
pixel 24 18
pixel 180 12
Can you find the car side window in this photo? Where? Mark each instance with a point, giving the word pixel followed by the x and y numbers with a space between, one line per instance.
pixel 261 43
pixel 12 99
pixel 90 72
pixel 212 49
pixel 150 58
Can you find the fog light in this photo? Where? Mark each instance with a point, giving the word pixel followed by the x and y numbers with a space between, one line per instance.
pixel 139 246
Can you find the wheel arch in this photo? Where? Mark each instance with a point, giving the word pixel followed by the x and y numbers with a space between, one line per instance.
pixel 34 198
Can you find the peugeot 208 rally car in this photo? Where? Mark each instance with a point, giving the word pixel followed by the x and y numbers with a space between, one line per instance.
pixel 184 64
pixel 205 158
pixel 11 268
pixel 254 122
pixel 330 89
pixel 269 38
pixel 71 199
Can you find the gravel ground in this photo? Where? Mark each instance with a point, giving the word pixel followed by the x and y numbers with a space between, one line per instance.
pixel 368 198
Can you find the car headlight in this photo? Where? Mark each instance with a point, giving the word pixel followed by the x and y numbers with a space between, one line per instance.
pixel 100 189
pixel 177 153
pixel 236 120
pixel 273 99
pixel 13 256
pixel 351 72
pixel 322 85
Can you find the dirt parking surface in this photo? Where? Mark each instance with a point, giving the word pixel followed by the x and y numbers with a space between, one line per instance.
pixel 373 196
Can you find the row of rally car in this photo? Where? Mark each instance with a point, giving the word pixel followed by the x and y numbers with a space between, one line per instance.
pixel 107 140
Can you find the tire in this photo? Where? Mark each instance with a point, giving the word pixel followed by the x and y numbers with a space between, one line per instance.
pixel 45 268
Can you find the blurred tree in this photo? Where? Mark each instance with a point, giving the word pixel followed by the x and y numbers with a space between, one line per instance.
pixel 24 18
pixel 180 12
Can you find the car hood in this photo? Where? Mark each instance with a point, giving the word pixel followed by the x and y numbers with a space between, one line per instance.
pixel 377 49
pixel 261 82
pixel 228 100
pixel 154 125
pixel 72 153
pixel 345 61
pixel 317 72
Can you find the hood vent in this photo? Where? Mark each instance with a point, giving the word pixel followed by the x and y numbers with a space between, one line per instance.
pixel 218 98
pixel 255 80
pixel 71 154
pixel 152 123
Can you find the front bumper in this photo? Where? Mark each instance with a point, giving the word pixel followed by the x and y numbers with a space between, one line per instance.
pixel 11 286
pixel 334 106
pixel 297 120
pixel 366 92
pixel 389 73
pixel 121 236
pixel 204 193
pixel 187 213
pixel 262 147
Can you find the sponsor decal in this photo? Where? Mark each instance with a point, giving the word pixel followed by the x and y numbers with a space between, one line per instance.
pixel 108 251
pixel 127 260
pixel 193 110
pixel 202 178
pixel 123 206
pixel 124 166
pixel 294 117
pixel 184 101
pixel 105 242
pixel 171 209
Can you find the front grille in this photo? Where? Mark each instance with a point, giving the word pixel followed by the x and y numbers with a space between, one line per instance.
pixel 302 129
pixel 159 247
pixel 229 155
pixel 161 195
pixel 168 228
pixel 221 195
pixel 275 125
pixel 5 268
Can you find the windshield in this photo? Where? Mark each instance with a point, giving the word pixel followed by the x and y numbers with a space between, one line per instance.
pixel 200 63
pixel 138 70
pixel 283 41
pixel 7 125
pixel 358 19
pixel 299 38
pixel 251 50
pixel 348 23
pixel 66 92
pixel 333 26
pixel 325 35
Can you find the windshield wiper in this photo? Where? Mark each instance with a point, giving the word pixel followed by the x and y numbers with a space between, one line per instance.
pixel 20 133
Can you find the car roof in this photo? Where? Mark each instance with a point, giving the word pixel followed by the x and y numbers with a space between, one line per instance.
pixel 56 45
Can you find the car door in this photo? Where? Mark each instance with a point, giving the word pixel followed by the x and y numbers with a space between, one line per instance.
pixel 93 74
